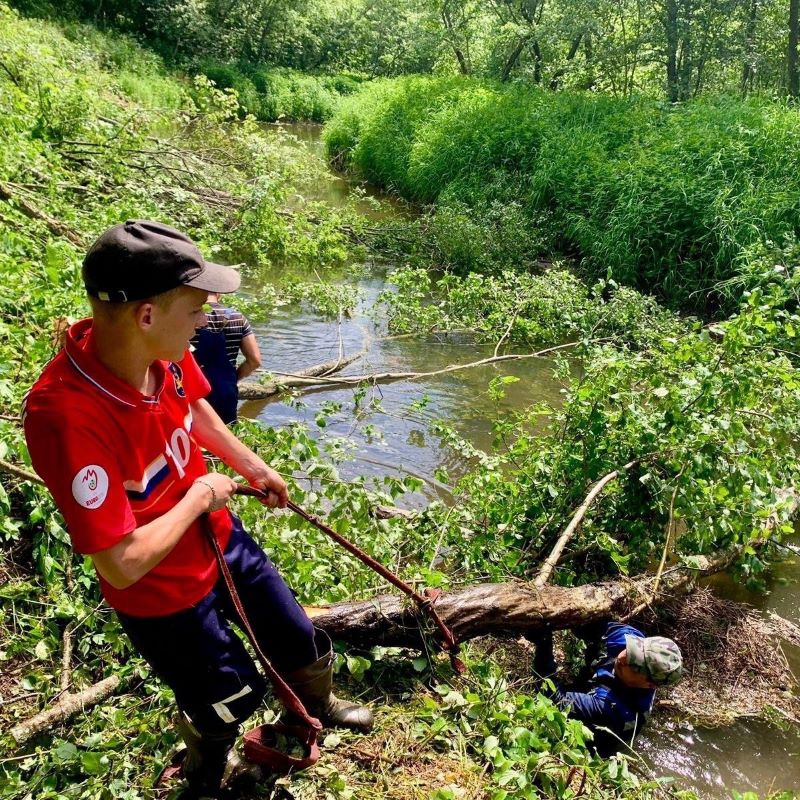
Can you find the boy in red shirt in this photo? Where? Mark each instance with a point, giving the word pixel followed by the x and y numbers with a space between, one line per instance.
pixel 115 427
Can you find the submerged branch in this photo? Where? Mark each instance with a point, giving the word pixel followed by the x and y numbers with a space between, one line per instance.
pixel 301 379
pixel 257 391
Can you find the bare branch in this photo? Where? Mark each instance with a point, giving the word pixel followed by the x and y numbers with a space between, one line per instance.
pixel 551 561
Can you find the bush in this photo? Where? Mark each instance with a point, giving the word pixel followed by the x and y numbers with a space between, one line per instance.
pixel 669 200
pixel 282 94
pixel 227 76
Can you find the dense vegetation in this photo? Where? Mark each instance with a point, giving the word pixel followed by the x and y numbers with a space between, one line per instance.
pixel 84 145
pixel 678 48
pixel 95 129
pixel 674 201
pixel 281 94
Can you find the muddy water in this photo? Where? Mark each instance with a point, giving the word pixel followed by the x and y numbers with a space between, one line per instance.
pixel 387 433
pixel 747 756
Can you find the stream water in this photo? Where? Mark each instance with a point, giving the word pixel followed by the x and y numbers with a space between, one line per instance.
pixel 389 435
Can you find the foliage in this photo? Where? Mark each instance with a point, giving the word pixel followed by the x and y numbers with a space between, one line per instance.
pixel 282 94
pixel 520 308
pixel 619 47
pixel 669 200
pixel 707 413
pixel 91 138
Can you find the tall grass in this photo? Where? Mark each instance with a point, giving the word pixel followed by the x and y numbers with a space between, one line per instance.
pixel 670 200
pixel 272 94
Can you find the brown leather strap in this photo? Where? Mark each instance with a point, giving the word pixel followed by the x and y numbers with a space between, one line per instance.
pixel 425 603
pixel 285 693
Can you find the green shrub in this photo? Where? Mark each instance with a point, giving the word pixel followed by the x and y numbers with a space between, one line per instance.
pixel 669 200
pixel 227 76
pixel 272 94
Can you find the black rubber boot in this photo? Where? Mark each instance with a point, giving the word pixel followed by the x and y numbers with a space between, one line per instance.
pixel 211 765
pixel 314 684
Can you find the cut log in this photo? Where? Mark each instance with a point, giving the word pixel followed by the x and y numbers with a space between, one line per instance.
pixel 502 609
pixel 258 391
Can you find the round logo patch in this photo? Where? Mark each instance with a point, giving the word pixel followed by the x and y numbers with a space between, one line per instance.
pixel 90 486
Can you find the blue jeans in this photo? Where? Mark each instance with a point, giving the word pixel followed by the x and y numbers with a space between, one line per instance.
pixel 199 656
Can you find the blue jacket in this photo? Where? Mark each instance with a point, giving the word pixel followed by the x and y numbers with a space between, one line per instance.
pixel 609 704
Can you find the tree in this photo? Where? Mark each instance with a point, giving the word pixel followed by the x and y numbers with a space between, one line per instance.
pixel 791 56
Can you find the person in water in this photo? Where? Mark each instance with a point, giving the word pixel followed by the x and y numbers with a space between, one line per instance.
pixel 115 425
pixel 623 685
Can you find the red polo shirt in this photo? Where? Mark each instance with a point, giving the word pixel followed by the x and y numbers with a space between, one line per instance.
pixel 115 459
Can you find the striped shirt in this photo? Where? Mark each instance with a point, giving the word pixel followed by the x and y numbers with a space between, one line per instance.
pixel 232 324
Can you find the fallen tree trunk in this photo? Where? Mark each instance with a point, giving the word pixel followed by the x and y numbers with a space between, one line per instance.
pixel 53 225
pixel 257 391
pixel 502 609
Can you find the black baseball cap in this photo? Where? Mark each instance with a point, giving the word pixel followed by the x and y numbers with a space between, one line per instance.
pixel 140 258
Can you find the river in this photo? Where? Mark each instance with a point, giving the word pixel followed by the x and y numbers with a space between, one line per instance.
pixel 389 435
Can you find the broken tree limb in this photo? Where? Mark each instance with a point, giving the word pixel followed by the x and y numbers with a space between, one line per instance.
pixel 551 561
pixel 503 609
pixel 66 707
pixel 30 210
pixel 299 379
pixel 257 391
pixel 66 656
pixel 19 472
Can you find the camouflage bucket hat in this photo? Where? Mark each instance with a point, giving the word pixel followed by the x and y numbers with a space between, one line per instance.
pixel 658 658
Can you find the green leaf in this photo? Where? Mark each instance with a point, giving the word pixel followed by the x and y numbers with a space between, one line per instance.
pixel 65 752
pixel 42 650
pixel 332 740
pixel 94 763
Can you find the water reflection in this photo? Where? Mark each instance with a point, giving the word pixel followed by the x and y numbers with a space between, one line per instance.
pixel 390 428
pixel 747 756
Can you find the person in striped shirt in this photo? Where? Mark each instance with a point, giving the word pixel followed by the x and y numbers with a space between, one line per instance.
pixel 216 349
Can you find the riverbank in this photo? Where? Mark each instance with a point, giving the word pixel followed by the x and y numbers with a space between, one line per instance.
pixel 678 201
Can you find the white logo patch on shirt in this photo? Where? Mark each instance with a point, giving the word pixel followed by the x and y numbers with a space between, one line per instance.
pixel 90 486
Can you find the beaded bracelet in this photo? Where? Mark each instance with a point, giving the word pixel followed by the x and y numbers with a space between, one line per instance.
pixel 212 507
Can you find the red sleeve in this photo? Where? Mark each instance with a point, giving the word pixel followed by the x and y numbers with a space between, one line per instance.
pixel 79 468
pixel 194 382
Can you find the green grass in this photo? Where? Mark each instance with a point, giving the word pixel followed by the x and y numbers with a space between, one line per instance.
pixel 272 94
pixel 669 200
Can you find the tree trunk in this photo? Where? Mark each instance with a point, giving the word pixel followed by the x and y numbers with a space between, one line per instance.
pixel 537 62
pixel 791 59
pixel 671 27
pixel 687 54
pixel 588 54
pixel 748 71
pixel 513 58
pixel 559 73
pixel 463 64
pixel 503 609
